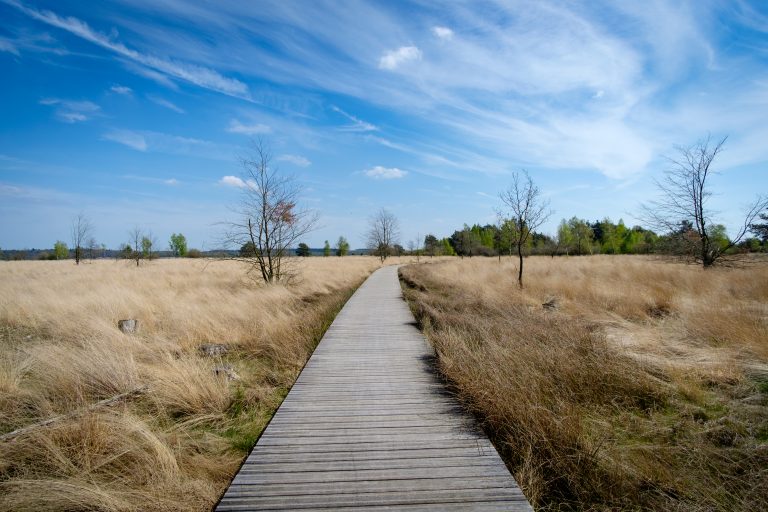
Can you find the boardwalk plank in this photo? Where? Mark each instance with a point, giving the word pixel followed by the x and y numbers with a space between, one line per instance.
pixel 369 426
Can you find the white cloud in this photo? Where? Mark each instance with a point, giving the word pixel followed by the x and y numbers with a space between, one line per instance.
pixel 167 104
pixel 10 190
pixel 7 46
pixel 443 32
pixel 358 125
pixel 599 94
pixel 236 126
pixel 121 89
pixel 72 117
pixel 150 74
pixel 158 142
pixel 172 182
pixel 232 181
pixel 128 138
pixel 385 173
pixel 192 73
pixel 295 160
pixel 69 111
pixel 392 59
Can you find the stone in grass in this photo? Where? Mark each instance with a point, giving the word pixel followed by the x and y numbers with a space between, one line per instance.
pixel 213 349
pixel 227 371
pixel 128 326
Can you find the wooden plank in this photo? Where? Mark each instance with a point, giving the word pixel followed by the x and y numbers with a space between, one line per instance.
pixel 413 486
pixel 379 499
pixel 267 456
pixel 374 448
pixel 368 426
pixel 404 505
pixel 370 474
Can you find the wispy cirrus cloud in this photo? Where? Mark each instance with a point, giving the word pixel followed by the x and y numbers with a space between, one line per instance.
pixel 128 138
pixel 158 142
pixel 297 160
pixel 121 89
pixel 385 173
pixel 198 75
pixel 167 104
pixel 391 60
pixel 357 125
pixel 72 111
pixel 509 81
pixel 236 126
pixel 171 182
pixel 7 46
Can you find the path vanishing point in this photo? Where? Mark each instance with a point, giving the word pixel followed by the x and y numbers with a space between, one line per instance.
pixel 368 426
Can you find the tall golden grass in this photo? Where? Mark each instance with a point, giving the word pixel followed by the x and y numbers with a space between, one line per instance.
pixel 176 446
pixel 645 388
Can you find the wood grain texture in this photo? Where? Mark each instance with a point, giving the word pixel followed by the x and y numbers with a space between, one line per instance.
pixel 369 426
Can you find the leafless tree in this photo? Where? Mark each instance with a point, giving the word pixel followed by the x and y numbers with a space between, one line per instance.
pixel 81 230
pixel 383 234
pixel 92 248
pixel 414 247
pixel 135 237
pixel 526 210
pixel 683 202
pixel 270 218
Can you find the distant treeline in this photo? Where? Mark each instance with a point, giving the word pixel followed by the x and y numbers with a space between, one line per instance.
pixel 68 254
pixel 578 237
pixel 52 254
pixel 574 237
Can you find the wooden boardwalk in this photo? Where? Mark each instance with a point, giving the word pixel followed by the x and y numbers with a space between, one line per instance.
pixel 368 426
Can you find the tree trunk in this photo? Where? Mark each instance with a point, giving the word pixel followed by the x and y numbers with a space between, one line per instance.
pixel 707 258
pixel 520 271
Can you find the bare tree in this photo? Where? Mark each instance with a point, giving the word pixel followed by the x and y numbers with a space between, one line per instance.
pixel 383 234
pixel 81 230
pixel 270 219
pixel 135 237
pixel 526 210
pixel 92 248
pixel 683 202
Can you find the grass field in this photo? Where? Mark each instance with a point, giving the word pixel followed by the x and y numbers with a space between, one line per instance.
pixel 644 387
pixel 176 445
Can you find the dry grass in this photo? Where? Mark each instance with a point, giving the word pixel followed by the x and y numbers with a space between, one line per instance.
pixel 645 389
pixel 176 446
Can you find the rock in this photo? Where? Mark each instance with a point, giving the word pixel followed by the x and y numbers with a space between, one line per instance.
pixel 129 326
pixel 213 349
pixel 551 304
pixel 227 371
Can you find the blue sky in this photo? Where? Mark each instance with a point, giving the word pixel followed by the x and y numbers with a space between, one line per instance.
pixel 135 112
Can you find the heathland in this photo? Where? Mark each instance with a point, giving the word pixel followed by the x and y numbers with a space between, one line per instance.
pixel 176 441
pixel 610 382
